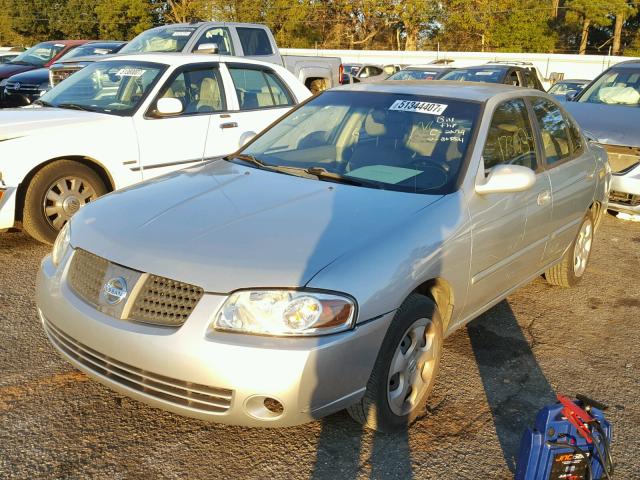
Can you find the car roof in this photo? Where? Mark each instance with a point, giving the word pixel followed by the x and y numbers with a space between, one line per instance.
pixel 572 80
pixel 427 66
pixel 627 64
pixel 66 42
pixel 491 66
pixel 199 24
pixel 474 91
pixel 174 59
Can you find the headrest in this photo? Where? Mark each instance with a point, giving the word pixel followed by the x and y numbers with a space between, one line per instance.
pixel 374 126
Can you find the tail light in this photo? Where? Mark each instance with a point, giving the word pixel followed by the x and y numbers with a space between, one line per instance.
pixel 341 73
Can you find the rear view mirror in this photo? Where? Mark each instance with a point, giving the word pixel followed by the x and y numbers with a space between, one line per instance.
pixel 168 106
pixel 570 95
pixel 507 178
pixel 208 48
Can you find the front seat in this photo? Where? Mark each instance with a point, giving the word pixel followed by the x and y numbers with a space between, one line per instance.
pixel 209 100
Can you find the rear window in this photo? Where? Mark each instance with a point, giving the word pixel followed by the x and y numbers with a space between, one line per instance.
pixel 254 41
pixel 492 75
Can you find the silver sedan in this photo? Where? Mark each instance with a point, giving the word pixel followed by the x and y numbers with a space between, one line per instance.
pixel 321 267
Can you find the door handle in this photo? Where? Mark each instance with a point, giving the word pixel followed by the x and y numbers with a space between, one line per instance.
pixel 229 125
pixel 544 197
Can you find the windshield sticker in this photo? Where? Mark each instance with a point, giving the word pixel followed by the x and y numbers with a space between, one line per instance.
pixel 486 73
pixel 418 107
pixel 131 72
pixel 101 51
pixel 384 173
pixel 58 44
pixel 180 34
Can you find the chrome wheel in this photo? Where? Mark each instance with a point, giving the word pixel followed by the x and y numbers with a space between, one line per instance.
pixel 413 366
pixel 64 198
pixel 582 248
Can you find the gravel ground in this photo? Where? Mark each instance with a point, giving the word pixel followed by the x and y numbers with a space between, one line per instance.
pixel 496 374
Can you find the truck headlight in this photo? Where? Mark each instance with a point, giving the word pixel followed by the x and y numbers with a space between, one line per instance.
pixel 61 245
pixel 285 312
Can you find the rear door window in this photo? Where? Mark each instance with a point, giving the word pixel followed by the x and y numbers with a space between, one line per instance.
pixel 556 140
pixel 254 41
pixel 259 89
pixel 510 138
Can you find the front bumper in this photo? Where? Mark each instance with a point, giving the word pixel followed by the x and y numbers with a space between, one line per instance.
pixel 625 191
pixel 13 98
pixel 215 376
pixel 7 206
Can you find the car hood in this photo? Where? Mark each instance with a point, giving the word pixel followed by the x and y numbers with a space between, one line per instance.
pixel 20 122
pixel 83 59
pixel 225 226
pixel 7 69
pixel 610 124
pixel 36 76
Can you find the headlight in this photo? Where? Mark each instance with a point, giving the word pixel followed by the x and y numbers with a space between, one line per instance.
pixel 3 83
pixel 285 312
pixel 61 245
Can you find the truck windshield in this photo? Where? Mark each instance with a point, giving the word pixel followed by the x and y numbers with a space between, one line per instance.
pixel 114 87
pixel 390 141
pixel 39 54
pixel 491 75
pixel 616 87
pixel 164 39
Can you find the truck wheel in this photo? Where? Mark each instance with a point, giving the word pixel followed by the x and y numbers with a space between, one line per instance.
pixel 318 85
pixel 55 193
pixel 405 370
pixel 571 268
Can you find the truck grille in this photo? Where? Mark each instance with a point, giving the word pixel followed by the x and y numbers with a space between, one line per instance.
pixel 185 394
pixel 59 74
pixel 622 158
pixel 156 300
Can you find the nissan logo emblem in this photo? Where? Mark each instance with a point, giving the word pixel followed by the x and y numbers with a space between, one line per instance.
pixel 115 290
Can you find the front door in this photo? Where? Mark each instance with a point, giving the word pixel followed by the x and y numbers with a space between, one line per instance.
pixel 509 230
pixel 169 143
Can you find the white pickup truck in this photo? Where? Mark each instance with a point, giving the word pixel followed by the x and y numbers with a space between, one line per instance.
pixel 247 40
pixel 130 118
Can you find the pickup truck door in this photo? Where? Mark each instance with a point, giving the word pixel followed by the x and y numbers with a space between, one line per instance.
pixel 167 143
pixel 509 230
pixel 261 97
pixel 571 169
pixel 257 43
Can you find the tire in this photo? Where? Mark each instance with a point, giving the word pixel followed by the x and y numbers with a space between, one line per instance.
pixel 318 85
pixel 48 206
pixel 570 270
pixel 385 407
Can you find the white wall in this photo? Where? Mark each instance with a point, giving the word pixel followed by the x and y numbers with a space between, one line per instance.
pixel 573 66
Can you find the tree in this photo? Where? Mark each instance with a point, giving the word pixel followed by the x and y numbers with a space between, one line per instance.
pixel 124 19
pixel 624 11
pixel 589 13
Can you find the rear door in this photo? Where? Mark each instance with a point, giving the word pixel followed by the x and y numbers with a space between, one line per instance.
pixel 571 169
pixel 509 230
pixel 169 143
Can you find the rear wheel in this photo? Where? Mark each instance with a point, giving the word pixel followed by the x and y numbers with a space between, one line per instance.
pixel 405 370
pixel 571 268
pixel 55 193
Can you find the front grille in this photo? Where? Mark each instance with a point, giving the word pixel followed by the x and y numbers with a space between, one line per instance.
pixel 185 394
pixel 157 300
pixel 624 198
pixel 622 158
pixel 27 88
pixel 165 301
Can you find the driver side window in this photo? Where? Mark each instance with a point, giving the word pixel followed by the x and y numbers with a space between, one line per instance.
pixel 200 91
pixel 510 137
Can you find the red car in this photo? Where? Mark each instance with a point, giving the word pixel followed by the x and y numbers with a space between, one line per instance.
pixel 41 55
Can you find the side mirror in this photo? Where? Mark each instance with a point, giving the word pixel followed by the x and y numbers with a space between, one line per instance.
pixel 209 48
pixel 166 107
pixel 507 178
pixel 570 95
pixel 590 136
pixel 245 138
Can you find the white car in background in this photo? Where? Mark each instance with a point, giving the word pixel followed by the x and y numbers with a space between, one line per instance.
pixel 127 119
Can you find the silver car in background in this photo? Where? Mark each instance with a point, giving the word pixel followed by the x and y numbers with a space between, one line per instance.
pixel 321 267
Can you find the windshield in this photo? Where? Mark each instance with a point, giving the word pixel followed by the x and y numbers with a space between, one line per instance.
pixel 561 88
pixel 165 39
pixel 390 141
pixel 87 50
pixel 416 75
pixel 491 75
pixel 615 87
pixel 39 54
pixel 115 87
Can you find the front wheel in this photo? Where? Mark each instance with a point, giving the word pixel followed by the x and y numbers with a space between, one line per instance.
pixel 55 193
pixel 571 268
pixel 405 370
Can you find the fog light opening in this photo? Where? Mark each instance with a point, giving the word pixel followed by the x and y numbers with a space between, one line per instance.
pixel 264 408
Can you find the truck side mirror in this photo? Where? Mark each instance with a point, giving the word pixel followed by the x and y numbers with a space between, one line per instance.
pixel 208 48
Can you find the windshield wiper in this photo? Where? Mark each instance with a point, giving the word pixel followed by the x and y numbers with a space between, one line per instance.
pixel 74 106
pixel 248 158
pixel 324 174
pixel 43 103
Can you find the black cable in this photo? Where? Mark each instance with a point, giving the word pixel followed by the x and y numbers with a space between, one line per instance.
pixel 605 455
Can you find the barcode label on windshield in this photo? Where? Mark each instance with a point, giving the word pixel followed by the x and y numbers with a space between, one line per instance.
pixel 418 107
pixel 131 72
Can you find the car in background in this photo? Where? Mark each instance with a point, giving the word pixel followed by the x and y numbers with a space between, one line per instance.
pixel 609 109
pixel 24 88
pixel 421 72
pixel 43 54
pixel 130 118
pixel 566 89
pixel 7 56
pixel 545 82
pixel 247 40
pixel 321 267
pixel 496 73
